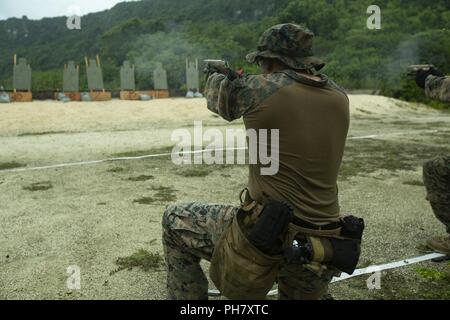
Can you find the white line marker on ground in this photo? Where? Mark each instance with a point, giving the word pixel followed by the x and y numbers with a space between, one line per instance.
pixel 388 266
pixel 368 270
pixel 83 163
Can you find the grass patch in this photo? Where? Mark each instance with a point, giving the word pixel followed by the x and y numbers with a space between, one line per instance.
pixel 433 275
pixel 432 285
pixel 162 195
pixel 410 125
pixel 42 133
pixel 39 186
pixel 401 104
pixel 438 105
pixel 401 123
pixel 441 138
pixel 141 178
pixel 414 183
pixel 364 111
pixel 10 165
pixel 165 194
pixel 199 171
pixel 145 200
pixel 364 157
pixel 365 118
pixel 116 170
pixel 194 171
pixel 146 261
pixel 438 124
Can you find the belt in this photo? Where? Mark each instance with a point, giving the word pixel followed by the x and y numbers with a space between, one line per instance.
pixel 248 204
pixel 305 224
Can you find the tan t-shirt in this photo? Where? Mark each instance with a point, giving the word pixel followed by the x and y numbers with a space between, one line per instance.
pixel 313 121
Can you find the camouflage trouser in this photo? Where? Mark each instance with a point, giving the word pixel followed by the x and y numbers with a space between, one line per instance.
pixel 436 176
pixel 190 232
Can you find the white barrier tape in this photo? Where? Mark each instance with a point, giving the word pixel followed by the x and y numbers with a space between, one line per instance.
pixel 388 266
pixel 82 163
pixel 373 136
pixel 368 270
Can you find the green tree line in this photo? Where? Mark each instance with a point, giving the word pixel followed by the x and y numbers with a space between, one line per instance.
pixel 169 31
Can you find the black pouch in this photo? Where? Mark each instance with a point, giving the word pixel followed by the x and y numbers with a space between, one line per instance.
pixel 272 224
pixel 345 254
pixel 346 251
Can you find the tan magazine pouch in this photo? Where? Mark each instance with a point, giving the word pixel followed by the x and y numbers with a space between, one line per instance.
pixel 319 240
pixel 238 269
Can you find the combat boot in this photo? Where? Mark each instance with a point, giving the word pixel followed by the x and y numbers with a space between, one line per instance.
pixel 440 244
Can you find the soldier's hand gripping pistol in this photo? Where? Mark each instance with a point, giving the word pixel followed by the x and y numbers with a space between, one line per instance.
pixel 420 72
pixel 220 66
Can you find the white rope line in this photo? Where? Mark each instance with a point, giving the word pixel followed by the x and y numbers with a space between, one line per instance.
pixel 373 136
pixel 73 164
pixel 368 270
pixel 388 266
pixel 83 163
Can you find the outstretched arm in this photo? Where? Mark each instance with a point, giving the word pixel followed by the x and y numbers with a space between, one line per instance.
pixel 222 95
pixel 232 99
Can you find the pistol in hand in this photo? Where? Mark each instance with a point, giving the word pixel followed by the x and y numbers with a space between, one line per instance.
pixel 219 66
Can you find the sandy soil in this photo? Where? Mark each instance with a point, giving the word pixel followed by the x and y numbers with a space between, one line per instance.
pixel 88 215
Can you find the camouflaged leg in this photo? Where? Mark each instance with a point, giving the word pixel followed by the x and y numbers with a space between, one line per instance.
pixel 436 176
pixel 295 282
pixel 189 234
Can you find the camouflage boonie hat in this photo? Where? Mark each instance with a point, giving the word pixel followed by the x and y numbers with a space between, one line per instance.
pixel 289 43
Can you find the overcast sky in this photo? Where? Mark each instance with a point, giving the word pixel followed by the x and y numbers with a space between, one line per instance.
pixel 37 9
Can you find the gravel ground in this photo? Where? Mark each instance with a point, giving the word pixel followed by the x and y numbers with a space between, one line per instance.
pixel 91 215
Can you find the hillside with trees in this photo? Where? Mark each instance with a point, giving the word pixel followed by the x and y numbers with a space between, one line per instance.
pixel 170 31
